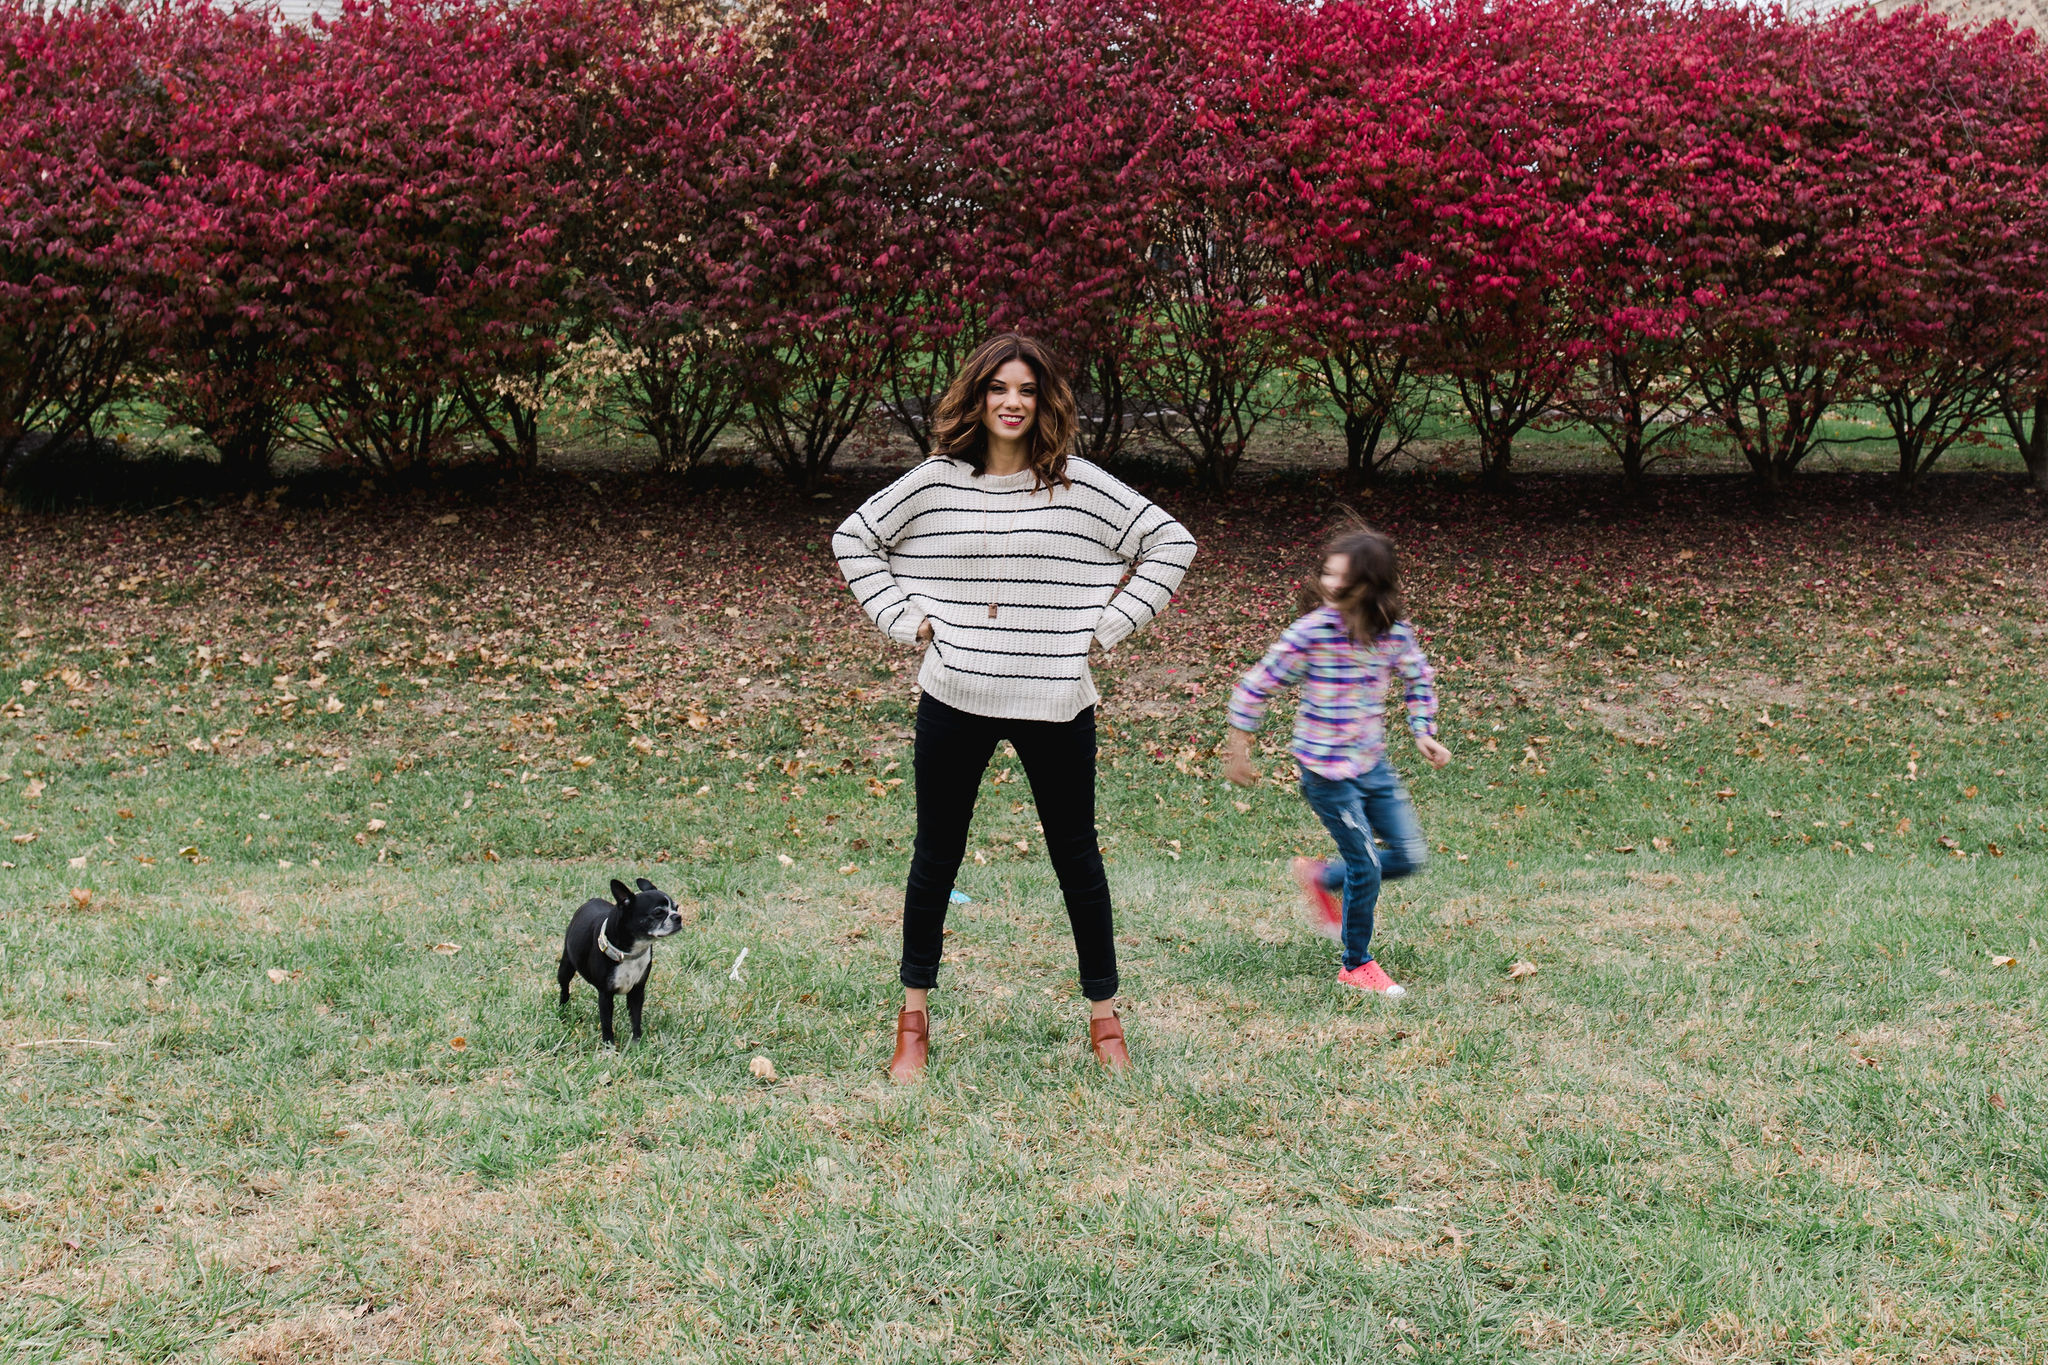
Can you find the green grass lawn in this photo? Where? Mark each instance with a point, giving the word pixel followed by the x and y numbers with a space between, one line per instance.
pixel 298 801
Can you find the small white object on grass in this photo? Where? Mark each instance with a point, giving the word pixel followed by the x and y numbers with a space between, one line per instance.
pixel 734 974
pixel 62 1042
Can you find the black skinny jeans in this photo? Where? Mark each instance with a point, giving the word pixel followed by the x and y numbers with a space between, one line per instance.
pixel 953 750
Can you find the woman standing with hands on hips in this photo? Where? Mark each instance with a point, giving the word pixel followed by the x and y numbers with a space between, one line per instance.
pixel 1005 558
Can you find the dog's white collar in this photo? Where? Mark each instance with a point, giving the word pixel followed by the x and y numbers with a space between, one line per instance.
pixel 604 945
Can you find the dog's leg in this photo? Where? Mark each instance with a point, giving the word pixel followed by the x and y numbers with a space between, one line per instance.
pixel 604 1016
pixel 634 999
pixel 564 974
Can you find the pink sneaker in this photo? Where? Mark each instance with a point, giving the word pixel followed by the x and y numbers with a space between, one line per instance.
pixel 1370 976
pixel 1325 911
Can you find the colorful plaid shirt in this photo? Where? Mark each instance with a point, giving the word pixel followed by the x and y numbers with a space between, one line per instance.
pixel 1340 728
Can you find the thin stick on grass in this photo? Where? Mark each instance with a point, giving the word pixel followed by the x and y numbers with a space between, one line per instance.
pixel 60 1042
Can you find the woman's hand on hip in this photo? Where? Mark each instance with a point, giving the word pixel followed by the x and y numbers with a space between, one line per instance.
pixel 924 631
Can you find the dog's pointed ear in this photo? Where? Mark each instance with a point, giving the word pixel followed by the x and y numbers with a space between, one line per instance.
pixel 620 894
pixel 643 884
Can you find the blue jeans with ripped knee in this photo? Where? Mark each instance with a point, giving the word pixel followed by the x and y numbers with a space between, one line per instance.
pixel 1355 810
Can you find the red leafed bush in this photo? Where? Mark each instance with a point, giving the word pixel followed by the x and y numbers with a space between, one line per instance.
pixel 221 238
pixel 429 222
pixel 432 214
pixel 1949 233
pixel 1039 165
pixel 82 110
pixel 1351 228
pixel 662 347
pixel 365 232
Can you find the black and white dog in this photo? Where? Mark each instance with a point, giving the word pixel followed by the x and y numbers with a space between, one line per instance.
pixel 611 945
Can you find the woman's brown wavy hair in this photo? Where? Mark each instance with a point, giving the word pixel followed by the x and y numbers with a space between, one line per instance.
pixel 957 430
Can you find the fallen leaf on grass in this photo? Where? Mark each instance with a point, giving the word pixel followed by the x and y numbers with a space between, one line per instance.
pixel 1661 844
pixel 332 704
pixel 459 1043
pixel 785 860
pixel 847 870
pixel 1243 807
pixel 1726 793
pixel 762 1069
pixel 582 760
pixel 1624 848
pixel 1523 967
pixel 2002 959
pixel 81 860
pixel 33 790
pixel 279 975
pixel 445 949
pixel 81 897
pixel 376 826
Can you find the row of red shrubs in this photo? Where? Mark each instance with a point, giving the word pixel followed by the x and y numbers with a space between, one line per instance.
pixel 413 224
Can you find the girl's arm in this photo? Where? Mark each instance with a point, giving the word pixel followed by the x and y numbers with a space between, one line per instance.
pixel 862 544
pixel 1418 694
pixel 1283 665
pixel 1418 691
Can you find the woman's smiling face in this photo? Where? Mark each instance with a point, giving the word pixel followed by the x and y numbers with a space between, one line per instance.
pixel 1010 405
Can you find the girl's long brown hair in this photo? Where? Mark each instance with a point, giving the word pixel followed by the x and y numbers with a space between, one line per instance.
pixel 957 430
pixel 1370 597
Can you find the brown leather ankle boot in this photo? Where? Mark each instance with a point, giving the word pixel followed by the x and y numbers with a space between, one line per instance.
pixel 1106 1036
pixel 913 1046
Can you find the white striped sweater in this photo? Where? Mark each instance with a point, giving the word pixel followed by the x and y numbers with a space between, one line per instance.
pixel 1015 582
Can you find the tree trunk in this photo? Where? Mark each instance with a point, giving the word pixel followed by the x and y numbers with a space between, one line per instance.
pixel 518 445
pixel 1362 445
pixel 2034 450
pixel 1631 453
pixel 245 459
pixel 1496 453
pixel 1908 472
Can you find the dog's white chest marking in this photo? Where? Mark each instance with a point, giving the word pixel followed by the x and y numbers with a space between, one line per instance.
pixel 631 972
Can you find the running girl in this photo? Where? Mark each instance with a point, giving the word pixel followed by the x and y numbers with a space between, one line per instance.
pixel 1345 653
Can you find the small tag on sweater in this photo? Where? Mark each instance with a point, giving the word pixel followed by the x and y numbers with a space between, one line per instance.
pixel 991 611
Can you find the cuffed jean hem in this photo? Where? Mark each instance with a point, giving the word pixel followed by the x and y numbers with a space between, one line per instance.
pixel 1098 991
